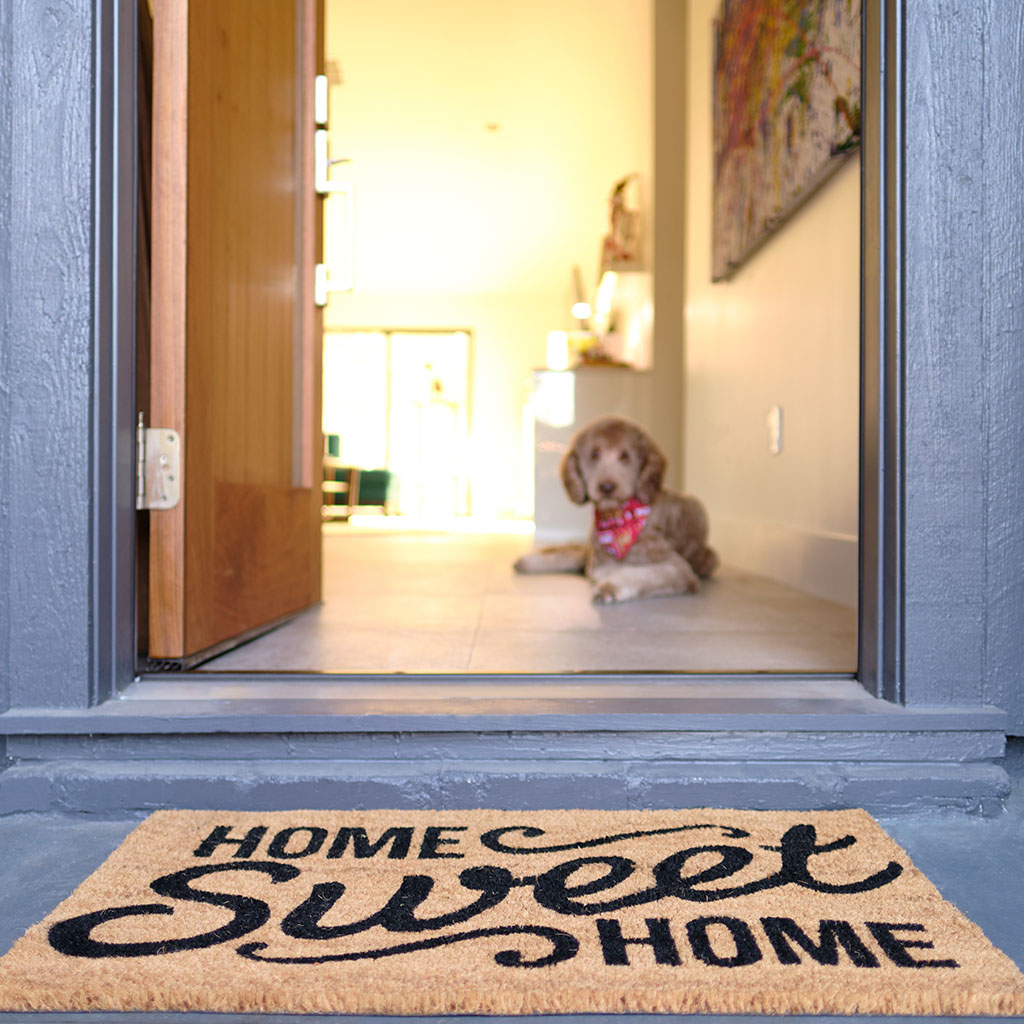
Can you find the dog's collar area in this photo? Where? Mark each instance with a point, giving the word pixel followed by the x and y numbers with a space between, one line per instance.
pixel 618 531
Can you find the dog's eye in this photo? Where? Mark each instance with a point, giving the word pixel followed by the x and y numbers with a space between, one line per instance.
pixel 595 454
pixel 623 456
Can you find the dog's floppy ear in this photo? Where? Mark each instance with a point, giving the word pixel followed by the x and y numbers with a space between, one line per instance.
pixel 572 478
pixel 652 470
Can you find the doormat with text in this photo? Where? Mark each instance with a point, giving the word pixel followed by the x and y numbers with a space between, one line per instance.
pixel 509 912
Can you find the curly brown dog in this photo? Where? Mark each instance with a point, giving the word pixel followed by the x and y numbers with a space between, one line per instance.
pixel 646 540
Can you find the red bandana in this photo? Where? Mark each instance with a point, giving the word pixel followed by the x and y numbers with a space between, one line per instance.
pixel 619 531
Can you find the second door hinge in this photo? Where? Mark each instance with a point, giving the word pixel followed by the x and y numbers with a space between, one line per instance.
pixel 157 467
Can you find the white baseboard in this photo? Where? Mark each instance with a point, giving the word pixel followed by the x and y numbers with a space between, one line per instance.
pixel 820 563
pixel 554 535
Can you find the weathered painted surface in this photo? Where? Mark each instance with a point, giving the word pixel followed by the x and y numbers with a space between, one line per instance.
pixel 964 337
pixel 109 787
pixel 46 256
pixel 1003 330
pixel 721 746
pixel 943 299
pixel 6 167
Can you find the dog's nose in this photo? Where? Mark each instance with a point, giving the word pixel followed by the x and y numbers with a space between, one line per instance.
pixel 606 486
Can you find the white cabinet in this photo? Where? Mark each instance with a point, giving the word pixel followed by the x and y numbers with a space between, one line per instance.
pixel 563 402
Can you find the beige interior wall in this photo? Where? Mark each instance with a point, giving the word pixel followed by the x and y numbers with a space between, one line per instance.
pixel 484 141
pixel 783 331
pixel 668 235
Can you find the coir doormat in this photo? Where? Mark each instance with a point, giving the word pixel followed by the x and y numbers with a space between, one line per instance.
pixel 499 912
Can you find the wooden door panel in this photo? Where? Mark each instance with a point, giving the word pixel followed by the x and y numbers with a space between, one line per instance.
pixel 246 574
pixel 235 337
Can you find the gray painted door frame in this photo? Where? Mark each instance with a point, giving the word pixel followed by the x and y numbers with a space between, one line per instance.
pixel 880 629
pixel 943 421
pixel 116 234
pixel 879 667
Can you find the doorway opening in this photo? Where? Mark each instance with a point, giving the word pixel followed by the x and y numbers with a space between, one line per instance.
pixel 785 521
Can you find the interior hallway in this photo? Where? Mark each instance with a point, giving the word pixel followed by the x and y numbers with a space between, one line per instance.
pixel 435 602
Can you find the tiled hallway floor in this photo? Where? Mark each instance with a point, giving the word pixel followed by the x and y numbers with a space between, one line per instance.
pixel 434 602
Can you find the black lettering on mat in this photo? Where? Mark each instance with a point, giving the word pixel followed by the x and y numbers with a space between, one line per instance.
pixel 747 951
pixel 896 948
pixel 220 836
pixel 279 844
pixel 398 840
pixel 782 932
pixel 659 938
pixel 73 937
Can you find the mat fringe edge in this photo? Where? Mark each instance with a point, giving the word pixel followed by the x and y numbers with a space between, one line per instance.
pixel 840 1000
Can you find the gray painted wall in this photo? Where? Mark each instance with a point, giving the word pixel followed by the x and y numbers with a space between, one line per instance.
pixel 46 291
pixel 963 332
pixel 669 233
pixel 945 494
pixel 1003 329
pixel 6 109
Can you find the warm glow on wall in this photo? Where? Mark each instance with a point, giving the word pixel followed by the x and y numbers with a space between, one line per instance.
pixel 482 141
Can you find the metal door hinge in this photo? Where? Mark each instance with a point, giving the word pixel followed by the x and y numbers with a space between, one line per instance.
pixel 157 467
pixel 323 162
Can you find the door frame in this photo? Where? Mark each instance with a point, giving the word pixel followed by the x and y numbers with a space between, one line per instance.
pixel 882 357
pixel 113 522
pixel 883 370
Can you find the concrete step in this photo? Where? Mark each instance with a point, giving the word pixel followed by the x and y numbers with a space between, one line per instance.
pixel 135 786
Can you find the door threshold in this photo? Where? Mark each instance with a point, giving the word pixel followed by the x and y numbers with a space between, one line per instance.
pixel 473 704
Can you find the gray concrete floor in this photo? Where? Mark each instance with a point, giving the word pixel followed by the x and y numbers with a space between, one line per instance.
pixel 434 602
pixel 973 861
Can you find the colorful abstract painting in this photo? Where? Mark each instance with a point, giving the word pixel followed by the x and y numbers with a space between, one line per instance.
pixel 787 112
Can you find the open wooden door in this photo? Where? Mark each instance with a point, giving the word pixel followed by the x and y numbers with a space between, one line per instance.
pixel 235 335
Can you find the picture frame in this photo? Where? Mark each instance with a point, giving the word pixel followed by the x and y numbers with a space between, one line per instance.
pixel 786 114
